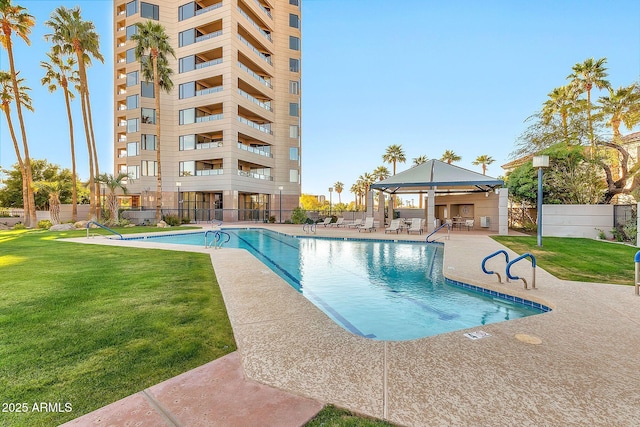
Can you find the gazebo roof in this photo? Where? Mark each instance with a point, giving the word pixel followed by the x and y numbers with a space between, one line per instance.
pixel 439 176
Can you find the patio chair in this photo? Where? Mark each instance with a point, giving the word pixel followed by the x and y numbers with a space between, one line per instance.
pixel 416 225
pixel 394 226
pixel 368 225
pixel 338 223
pixel 326 221
pixel 469 224
pixel 356 223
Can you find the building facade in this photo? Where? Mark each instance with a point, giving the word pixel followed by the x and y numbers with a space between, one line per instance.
pixel 230 127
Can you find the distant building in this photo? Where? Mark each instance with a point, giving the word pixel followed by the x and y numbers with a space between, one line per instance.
pixel 231 137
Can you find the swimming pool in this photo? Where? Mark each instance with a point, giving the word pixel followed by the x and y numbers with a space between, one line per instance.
pixel 381 290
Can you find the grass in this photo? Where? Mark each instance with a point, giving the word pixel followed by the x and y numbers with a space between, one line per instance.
pixel 577 259
pixel 88 325
pixel 330 416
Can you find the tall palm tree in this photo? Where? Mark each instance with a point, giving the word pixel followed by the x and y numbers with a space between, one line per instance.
pixel 483 160
pixel 449 156
pixel 53 189
pixel 74 36
pixel 151 50
pixel 562 101
pixel 365 180
pixel 59 71
pixel 393 155
pixel 338 186
pixel 381 172
pixel 585 76
pixel 6 98
pixel 113 183
pixel 623 106
pixel 417 161
pixel 15 19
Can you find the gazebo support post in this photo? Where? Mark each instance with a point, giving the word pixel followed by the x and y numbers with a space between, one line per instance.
pixel 431 209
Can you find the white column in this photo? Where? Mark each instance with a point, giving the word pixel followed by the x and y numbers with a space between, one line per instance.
pixel 431 210
pixel 503 212
pixel 369 197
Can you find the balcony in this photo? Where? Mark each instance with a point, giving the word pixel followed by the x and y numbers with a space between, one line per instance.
pixel 208 118
pixel 266 34
pixel 262 150
pixel 201 167
pixel 208 63
pixel 208 36
pixel 263 104
pixel 209 90
pixel 265 57
pixel 265 127
pixel 200 33
pixel 200 60
pixel 256 76
pixel 255 175
pixel 189 10
pixel 208 8
pixel 264 9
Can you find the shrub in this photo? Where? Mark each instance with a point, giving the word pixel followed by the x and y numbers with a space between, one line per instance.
pixel 172 220
pixel 272 219
pixel 298 215
pixel 19 226
pixel 186 220
pixel 44 223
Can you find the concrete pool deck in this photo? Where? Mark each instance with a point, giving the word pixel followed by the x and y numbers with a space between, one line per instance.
pixel 577 365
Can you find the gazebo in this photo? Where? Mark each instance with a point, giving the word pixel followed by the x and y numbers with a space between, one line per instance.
pixel 453 192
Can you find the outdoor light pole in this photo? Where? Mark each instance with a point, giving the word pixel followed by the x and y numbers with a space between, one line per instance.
pixel 179 184
pixel 280 216
pixel 330 201
pixel 540 162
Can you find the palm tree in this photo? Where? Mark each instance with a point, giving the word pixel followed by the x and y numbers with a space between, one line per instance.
pixel 364 181
pixel 449 156
pixel 483 160
pixel 54 189
pixel 381 172
pixel 338 186
pixel 623 105
pixel 59 72
pixel 74 36
pixel 417 161
pixel 562 101
pixel 152 49
pixel 6 97
pixel 586 75
pixel 16 19
pixel 113 183
pixel 394 154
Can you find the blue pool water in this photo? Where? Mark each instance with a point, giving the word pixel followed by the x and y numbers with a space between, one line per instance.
pixel 377 289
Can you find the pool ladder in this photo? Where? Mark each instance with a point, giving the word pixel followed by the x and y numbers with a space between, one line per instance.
pixel 508 274
pixel 448 236
pixel 102 226
pixel 217 240
pixel 309 228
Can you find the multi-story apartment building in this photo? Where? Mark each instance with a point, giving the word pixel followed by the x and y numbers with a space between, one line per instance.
pixel 230 136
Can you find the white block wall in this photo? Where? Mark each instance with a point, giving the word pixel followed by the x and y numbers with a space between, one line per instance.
pixel 576 220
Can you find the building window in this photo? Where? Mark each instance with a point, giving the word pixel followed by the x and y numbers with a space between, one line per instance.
pixel 132 7
pixel 148 116
pixel 149 168
pixel 294 87
pixel 188 168
pixel 133 125
pixel 294 20
pixel 294 43
pixel 131 30
pixel 294 2
pixel 293 175
pixel 188 63
pixel 187 142
pixel 187 116
pixel 186 11
pixel 294 65
pixel 132 102
pixel 294 131
pixel 146 90
pixel 132 78
pixel 132 149
pixel 187 90
pixel 186 37
pixel 148 10
pixel 293 109
pixel 148 142
pixel 293 153
pixel 133 171
pixel 131 55
pixel 122 168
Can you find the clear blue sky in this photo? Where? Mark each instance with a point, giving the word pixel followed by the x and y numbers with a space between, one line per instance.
pixel 430 75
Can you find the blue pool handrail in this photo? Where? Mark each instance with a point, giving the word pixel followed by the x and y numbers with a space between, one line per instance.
pixel 102 226
pixel 484 261
pixel 446 224
pixel 309 228
pixel 533 266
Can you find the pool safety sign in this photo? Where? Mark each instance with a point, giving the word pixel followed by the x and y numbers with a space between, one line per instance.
pixel 476 335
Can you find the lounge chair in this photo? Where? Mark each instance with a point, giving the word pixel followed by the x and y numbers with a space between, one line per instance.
pixel 394 226
pixel 469 224
pixel 368 225
pixel 416 225
pixel 326 221
pixel 338 223
pixel 356 223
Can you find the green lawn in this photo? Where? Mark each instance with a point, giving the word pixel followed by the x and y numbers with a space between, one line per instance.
pixel 583 260
pixel 87 324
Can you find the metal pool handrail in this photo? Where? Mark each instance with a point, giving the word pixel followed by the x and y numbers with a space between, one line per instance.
pixel 217 238
pixel 533 266
pixel 309 228
pixel 484 261
pixel 446 224
pixel 102 226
